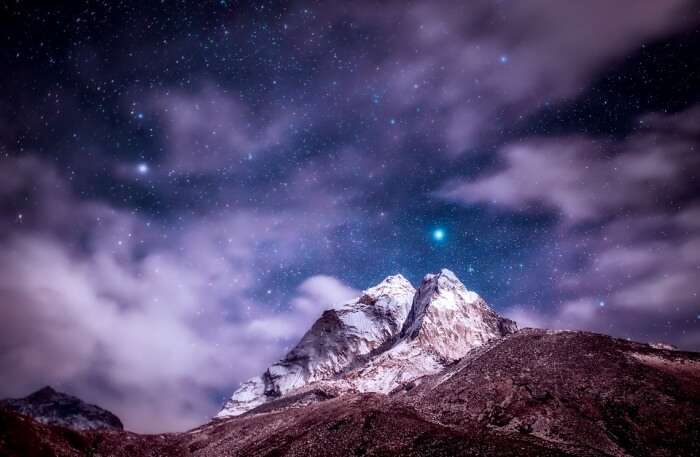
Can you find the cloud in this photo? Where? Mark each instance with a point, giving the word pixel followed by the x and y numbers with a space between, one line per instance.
pixel 150 322
pixel 72 320
pixel 584 178
pixel 458 71
pixel 572 315
pixel 213 129
pixel 313 296
pixel 628 242
pixel 320 292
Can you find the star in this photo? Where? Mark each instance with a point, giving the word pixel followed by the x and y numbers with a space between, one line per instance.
pixel 142 168
pixel 439 234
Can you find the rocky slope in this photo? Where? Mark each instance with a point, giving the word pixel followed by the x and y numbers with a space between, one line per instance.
pixel 614 397
pixel 48 406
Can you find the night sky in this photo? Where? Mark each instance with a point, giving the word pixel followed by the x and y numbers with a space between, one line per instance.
pixel 184 186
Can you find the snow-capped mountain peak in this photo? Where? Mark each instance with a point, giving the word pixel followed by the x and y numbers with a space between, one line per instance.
pixel 390 335
pixel 446 321
pixel 341 336
pixel 442 290
pixel 391 285
pixel 449 319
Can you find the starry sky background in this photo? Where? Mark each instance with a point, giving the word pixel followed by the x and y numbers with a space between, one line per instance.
pixel 184 186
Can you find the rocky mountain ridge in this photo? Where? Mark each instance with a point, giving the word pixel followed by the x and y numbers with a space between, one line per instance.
pixel 334 342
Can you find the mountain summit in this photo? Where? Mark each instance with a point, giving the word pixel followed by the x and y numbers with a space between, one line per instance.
pixel 334 342
pixel 449 320
pixel 49 406
pixel 446 321
pixel 388 336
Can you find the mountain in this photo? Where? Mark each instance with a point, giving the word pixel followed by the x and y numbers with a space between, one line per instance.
pixel 48 406
pixel 335 341
pixel 390 335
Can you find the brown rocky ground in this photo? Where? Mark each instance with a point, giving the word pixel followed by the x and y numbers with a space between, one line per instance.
pixel 534 393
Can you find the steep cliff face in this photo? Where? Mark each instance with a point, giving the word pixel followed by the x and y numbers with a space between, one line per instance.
pixel 446 321
pixel 390 335
pixel 335 341
pixel 449 320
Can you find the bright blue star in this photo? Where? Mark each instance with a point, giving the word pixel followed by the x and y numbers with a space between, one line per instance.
pixel 504 58
pixel 439 234
pixel 142 168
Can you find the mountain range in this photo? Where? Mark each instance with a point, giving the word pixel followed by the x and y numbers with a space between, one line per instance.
pixel 430 372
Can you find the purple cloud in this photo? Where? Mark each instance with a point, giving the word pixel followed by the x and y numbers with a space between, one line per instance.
pixel 317 292
pixel 586 178
pixel 140 319
pixel 213 129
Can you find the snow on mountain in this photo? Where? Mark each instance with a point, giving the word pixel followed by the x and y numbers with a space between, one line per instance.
pixel 55 408
pixel 389 336
pixel 449 320
pixel 336 341
pixel 446 321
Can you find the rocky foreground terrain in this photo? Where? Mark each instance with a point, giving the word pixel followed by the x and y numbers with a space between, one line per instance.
pixel 439 374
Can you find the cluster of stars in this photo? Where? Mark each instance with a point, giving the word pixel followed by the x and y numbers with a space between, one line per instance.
pixel 343 127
